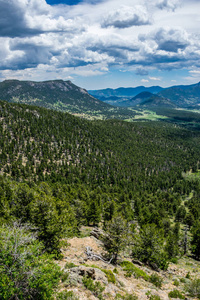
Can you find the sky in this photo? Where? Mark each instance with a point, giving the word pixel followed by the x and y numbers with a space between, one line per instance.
pixel 101 43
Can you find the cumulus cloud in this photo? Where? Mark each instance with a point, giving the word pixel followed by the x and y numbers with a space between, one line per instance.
pixel 21 18
pixel 170 40
pixel 169 4
pixel 13 21
pixel 127 16
pixel 93 38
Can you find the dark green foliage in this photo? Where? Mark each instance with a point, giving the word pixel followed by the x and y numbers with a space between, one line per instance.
pixel 176 294
pixel 154 297
pixel 96 288
pixel 69 265
pixel 126 297
pixel 196 240
pixel 66 295
pixel 193 287
pixel 172 247
pixel 25 273
pixel 149 247
pixel 60 172
pixel 156 280
pixel 176 282
pixel 116 237
pixel 188 275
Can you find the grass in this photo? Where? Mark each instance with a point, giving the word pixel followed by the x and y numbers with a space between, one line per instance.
pixel 147 115
pixel 130 269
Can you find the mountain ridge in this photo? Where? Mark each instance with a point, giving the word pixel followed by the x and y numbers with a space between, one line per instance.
pixel 61 96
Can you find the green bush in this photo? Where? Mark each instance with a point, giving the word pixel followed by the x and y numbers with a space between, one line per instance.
pixel 110 276
pixel 66 295
pixel 193 288
pixel 131 269
pixel 96 288
pixel 176 282
pixel 126 297
pixel 176 294
pixel 154 297
pixel 64 276
pixel 115 271
pixel 25 272
pixel 156 280
pixel 182 280
pixel 69 265
pixel 188 275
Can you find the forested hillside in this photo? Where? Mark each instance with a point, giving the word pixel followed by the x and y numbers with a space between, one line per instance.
pixel 61 96
pixel 59 172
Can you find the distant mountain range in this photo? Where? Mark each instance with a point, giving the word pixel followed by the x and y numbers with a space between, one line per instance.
pixel 67 97
pixel 124 92
pixel 183 96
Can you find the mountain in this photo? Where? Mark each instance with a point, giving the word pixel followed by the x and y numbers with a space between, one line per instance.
pixel 61 96
pixel 54 94
pixel 138 99
pixel 183 95
pixel 124 92
pixel 158 101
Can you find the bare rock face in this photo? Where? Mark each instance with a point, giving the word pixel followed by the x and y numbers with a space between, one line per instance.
pixel 93 273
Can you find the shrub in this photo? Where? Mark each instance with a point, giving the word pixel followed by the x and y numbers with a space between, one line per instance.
pixel 183 280
pixel 96 288
pixel 25 273
pixel 156 280
pixel 187 275
pixel 193 288
pixel 69 265
pixel 131 269
pixel 154 297
pixel 110 276
pixel 66 295
pixel 176 294
pixel 64 276
pixel 176 282
pixel 126 297
pixel 115 271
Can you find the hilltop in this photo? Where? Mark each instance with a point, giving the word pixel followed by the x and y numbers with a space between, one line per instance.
pixel 61 96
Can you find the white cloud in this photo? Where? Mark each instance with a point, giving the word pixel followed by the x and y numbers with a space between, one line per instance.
pixel 169 4
pixel 154 78
pixel 86 39
pixel 195 72
pixel 127 16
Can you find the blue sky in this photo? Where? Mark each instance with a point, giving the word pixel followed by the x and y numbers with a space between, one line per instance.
pixel 101 43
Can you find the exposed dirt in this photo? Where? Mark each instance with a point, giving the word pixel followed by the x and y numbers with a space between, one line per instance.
pixel 75 253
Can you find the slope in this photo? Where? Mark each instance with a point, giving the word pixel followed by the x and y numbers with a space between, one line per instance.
pixel 61 96
pixel 125 92
pixel 184 95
